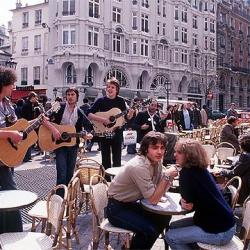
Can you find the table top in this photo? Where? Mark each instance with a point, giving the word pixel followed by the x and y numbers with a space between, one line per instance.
pixel 169 205
pixel 16 199
pixel 225 166
pixel 114 171
pixel 233 158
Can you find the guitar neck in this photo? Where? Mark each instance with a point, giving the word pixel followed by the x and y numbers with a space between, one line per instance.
pixel 36 122
pixel 121 114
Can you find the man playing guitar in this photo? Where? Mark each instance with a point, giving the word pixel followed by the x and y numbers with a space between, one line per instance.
pixel 9 221
pixel 103 104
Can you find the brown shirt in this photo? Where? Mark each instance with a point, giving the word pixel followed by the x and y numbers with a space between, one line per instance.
pixel 138 180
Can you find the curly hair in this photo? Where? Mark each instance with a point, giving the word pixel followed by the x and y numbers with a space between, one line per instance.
pixel 195 154
pixel 244 141
pixel 152 138
pixel 7 77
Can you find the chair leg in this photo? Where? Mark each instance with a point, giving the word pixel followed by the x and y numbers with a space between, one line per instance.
pixel 106 235
pixel 68 233
pixel 43 225
pixel 33 227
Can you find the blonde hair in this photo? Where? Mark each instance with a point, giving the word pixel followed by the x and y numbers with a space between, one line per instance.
pixel 195 154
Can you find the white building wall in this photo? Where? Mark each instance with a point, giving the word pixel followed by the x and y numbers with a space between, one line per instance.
pixel 33 57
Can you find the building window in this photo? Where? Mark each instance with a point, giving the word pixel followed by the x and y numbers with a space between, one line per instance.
pixel 205 43
pixel 212 63
pixel 36 75
pixel 212 44
pixel 25 19
pixel 127 46
pixel 184 35
pixel 70 76
pixel 176 34
pixel 144 47
pixel 144 3
pixel 89 77
pixel 184 56
pixel 144 23
pixel 176 12
pixel 69 34
pixel 205 6
pixel 134 45
pixel 38 17
pixel 184 15
pixel 195 26
pixel 195 39
pixel 117 43
pixel 37 42
pixel 93 36
pixel 25 44
pixel 158 28
pixel 119 75
pixel 153 52
pixel 116 15
pixel 164 29
pixel 24 76
pixel 106 41
pixel 164 9
pixel 196 61
pixel 205 24
pixel 134 21
pixel 68 8
pixel 212 25
pixel 176 55
pixel 94 6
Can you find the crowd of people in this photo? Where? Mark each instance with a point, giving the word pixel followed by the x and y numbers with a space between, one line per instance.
pixel 143 176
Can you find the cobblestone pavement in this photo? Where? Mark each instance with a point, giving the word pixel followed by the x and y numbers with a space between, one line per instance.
pixel 39 176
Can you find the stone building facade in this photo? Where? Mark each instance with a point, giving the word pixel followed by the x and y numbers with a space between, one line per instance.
pixel 233 53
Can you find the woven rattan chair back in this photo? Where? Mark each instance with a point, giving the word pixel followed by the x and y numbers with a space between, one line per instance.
pixel 224 150
pixel 55 209
pixel 234 185
pixel 98 196
pixel 246 223
pixel 210 150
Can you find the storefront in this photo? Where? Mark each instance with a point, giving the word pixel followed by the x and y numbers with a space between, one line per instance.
pixel 23 92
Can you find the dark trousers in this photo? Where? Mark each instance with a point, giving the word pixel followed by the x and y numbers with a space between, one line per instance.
pixel 9 221
pixel 114 145
pixel 147 226
pixel 65 165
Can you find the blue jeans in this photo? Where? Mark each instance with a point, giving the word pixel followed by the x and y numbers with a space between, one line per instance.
pixel 130 215
pixel 65 165
pixel 183 233
pixel 9 221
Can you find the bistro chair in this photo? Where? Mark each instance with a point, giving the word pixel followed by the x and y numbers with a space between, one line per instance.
pixel 234 186
pixel 210 150
pixel 224 150
pixel 99 201
pixel 86 168
pixel 236 243
pixel 35 241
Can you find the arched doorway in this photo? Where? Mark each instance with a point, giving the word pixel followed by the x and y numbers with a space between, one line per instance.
pixel 119 75
pixel 70 74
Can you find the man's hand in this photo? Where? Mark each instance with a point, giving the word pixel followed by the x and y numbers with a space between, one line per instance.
pixel 15 136
pixel 88 136
pixel 185 205
pixel 144 126
pixel 172 171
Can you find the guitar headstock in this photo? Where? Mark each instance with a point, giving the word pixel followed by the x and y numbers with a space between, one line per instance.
pixel 55 107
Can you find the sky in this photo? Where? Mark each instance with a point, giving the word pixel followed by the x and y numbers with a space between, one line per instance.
pixel 6 5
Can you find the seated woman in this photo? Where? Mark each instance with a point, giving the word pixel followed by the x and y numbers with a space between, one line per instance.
pixel 241 168
pixel 213 221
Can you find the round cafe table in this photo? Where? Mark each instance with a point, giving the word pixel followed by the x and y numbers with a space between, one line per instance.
pixel 169 205
pixel 113 171
pixel 11 200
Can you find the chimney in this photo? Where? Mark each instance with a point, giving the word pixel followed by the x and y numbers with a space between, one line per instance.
pixel 18 4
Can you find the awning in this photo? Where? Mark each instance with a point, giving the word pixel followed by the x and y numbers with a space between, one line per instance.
pixel 127 93
pixel 18 94
pixel 91 92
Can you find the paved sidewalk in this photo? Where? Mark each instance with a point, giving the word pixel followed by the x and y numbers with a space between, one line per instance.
pixel 39 176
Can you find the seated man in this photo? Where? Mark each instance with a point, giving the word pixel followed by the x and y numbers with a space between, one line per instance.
pixel 141 178
pixel 228 133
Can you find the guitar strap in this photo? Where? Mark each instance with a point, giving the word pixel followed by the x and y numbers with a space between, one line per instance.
pixel 87 118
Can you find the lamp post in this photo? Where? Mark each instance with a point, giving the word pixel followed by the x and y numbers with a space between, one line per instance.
pixel 11 63
pixel 167 88
pixel 55 92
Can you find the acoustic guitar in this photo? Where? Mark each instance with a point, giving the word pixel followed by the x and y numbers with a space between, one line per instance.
pixel 68 137
pixel 12 154
pixel 115 116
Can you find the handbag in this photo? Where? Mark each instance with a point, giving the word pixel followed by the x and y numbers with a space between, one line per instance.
pixel 129 137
